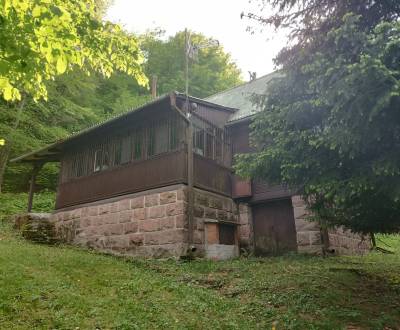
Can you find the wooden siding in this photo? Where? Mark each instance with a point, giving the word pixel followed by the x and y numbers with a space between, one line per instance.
pixel 161 170
pixel 216 116
pixel 211 176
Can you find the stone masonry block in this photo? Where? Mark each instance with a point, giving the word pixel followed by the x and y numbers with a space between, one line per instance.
pixel 109 218
pixel 168 197
pixel 85 212
pixel 125 216
pixel 315 238
pixel 156 212
pixel 136 240
pixel 139 214
pixel 198 211
pixel 199 224
pixel 164 237
pixel 300 212
pixel 137 202
pixel 303 238
pixel 167 223
pixel 215 203
pixel 181 221
pixel 131 227
pixel 222 215
pixel 105 208
pixel 124 204
pixel 181 195
pixel 114 229
pixel 85 222
pixel 176 208
pixel 210 213
pixel 198 237
pixel 152 200
pixel 93 210
pixel 114 207
pixel 149 225
pixel 201 199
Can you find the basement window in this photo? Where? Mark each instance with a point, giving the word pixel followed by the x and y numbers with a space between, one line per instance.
pixel 226 234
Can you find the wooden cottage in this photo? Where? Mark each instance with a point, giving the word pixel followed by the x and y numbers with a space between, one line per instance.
pixel 157 181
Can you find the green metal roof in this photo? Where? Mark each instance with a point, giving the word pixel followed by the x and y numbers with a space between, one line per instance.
pixel 240 97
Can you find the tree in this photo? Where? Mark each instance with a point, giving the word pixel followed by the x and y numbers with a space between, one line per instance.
pixel 213 71
pixel 42 39
pixel 330 125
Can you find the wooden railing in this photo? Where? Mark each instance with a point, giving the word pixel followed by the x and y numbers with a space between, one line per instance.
pixel 211 176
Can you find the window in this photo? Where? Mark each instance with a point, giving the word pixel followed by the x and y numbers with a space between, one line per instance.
pixel 198 141
pixel 101 160
pixel 226 234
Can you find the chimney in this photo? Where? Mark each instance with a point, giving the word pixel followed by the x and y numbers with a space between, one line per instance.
pixel 154 86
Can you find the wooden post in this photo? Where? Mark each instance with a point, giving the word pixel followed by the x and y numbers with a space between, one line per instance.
pixel 35 171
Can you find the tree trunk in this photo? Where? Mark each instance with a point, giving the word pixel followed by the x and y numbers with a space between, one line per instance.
pixel 4 154
pixel 6 149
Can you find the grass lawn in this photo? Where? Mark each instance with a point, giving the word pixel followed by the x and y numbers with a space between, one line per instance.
pixel 61 287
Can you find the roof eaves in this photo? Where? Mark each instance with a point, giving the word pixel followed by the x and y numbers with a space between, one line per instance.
pixel 88 130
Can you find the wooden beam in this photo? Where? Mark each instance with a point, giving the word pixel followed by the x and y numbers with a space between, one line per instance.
pixel 35 171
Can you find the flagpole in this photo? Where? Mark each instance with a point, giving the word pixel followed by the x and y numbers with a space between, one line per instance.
pixel 186 62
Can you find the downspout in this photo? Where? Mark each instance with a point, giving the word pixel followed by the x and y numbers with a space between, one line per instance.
pixel 190 171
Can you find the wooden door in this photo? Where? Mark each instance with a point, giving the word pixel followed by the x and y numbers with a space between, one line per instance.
pixel 274 227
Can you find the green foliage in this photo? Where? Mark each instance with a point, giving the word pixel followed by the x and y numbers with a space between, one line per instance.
pixel 42 39
pixel 12 203
pixel 64 288
pixel 331 125
pixel 212 71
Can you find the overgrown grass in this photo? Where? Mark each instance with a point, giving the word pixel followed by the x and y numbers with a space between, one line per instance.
pixel 13 203
pixel 62 287
pixel 65 288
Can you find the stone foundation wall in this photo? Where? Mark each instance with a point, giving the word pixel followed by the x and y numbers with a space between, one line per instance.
pixel 342 241
pixel 210 207
pixel 309 235
pixel 149 224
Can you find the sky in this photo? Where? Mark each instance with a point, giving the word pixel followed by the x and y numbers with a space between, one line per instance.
pixel 219 19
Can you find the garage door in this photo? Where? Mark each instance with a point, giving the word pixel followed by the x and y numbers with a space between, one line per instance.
pixel 274 227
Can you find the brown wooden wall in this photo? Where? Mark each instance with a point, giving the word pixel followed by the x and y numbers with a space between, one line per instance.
pixel 212 176
pixel 162 170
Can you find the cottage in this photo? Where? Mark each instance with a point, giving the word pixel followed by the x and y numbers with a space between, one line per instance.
pixel 157 181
